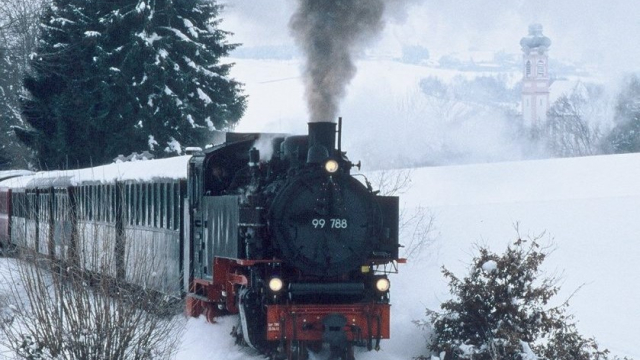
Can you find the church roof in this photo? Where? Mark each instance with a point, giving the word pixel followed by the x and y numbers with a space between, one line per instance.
pixel 535 39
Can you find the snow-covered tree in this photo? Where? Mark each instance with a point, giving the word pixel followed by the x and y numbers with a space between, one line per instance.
pixel 120 76
pixel 18 30
pixel 625 136
pixel 501 311
pixel 573 121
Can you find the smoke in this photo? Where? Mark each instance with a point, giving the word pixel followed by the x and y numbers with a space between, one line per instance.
pixel 331 33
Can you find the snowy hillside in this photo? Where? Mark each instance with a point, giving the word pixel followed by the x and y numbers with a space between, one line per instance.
pixel 589 208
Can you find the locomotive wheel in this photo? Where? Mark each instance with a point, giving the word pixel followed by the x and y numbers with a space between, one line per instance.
pixel 338 353
pixel 298 350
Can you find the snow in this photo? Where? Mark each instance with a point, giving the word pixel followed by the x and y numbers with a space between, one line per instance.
pixel 152 142
pixel 149 39
pixel 141 7
pixel 585 208
pixel 192 29
pixel 588 207
pixel 5 174
pixel 91 34
pixel 170 168
pixel 181 35
pixel 173 146
pixel 490 266
pixel 204 97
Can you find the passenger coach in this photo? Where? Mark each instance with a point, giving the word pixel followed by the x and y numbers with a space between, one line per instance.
pixel 122 219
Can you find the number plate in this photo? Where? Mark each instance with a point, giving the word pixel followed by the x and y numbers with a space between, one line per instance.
pixel 331 223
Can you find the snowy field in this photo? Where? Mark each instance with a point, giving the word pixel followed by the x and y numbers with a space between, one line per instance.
pixel 588 207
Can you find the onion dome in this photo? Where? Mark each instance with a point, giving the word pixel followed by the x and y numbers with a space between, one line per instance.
pixel 535 39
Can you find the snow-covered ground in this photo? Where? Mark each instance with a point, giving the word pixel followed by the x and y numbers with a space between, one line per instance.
pixel 589 208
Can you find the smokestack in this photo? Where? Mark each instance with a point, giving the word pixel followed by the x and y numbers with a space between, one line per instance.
pixel 322 141
pixel 331 33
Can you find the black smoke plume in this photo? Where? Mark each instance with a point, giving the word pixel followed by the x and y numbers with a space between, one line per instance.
pixel 331 33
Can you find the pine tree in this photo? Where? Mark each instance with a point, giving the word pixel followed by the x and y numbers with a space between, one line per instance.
pixel 113 77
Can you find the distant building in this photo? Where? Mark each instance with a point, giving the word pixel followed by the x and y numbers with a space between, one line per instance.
pixel 535 80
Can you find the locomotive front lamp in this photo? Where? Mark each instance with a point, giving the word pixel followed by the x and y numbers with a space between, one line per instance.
pixel 383 284
pixel 331 166
pixel 276 284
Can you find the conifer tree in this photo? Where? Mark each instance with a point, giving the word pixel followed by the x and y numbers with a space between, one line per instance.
pixel 113 77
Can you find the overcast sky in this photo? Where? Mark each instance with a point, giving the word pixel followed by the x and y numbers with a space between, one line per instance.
pixel 578 28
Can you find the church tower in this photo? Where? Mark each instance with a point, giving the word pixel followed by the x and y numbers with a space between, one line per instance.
pixel 535 81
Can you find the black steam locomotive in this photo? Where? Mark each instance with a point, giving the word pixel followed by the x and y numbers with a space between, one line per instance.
pixel 271 227
pixel 284 235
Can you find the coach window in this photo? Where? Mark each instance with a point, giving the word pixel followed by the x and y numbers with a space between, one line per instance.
pixel 89 202
pixel 141 208
pixel 154 205
pixel 134 204
pixel 79 203
pixel 163 205
pixel 85 202
pixel 127 204
pixel 175 206
pixel 112 203
pixel 102 203
pixel 169 206
pixel 149 205
pixel 130 203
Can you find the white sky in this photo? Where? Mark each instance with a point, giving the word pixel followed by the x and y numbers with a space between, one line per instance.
pixel 578 28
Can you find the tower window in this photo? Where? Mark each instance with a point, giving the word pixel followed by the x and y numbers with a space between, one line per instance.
pixel 528 69
pixel 540 68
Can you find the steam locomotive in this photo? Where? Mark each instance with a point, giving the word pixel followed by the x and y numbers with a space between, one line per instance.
pixel 274 228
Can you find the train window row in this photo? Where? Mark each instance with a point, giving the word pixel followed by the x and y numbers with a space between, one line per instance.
pixel 96 203
pixel 143 204
pixel 153 204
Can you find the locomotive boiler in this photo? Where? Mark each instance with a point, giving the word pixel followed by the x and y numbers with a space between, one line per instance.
pixel 284 234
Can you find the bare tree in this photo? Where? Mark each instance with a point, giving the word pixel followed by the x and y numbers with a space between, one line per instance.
pixel 417 225
pixel 573 123
pixel 19 27
pixel 72 306
pixel 19 24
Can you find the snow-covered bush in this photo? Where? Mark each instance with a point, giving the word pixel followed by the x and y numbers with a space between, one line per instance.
pixel 502 310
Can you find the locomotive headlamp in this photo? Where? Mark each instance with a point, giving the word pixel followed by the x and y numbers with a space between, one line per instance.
pixel 276 284
pixel 383 284
pixel 331 166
